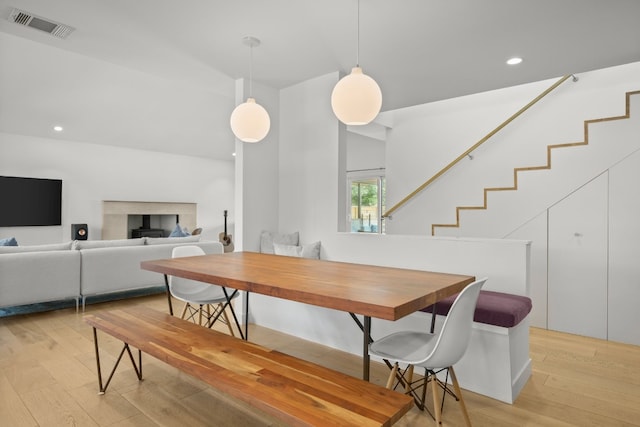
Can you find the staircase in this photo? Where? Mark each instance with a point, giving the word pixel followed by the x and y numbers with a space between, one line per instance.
pixel 574 164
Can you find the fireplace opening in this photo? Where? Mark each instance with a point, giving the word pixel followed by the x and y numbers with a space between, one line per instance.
pixel 151 225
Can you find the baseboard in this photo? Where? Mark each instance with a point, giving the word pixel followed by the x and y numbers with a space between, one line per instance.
pixel 73 303
pixel 520 380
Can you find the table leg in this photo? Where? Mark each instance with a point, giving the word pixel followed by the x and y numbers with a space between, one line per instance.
pixel 366 333
pixel 166 284
pixel 433 318
pixel 246 315
pixel 244 336
pixel 233 312
pixel 365 349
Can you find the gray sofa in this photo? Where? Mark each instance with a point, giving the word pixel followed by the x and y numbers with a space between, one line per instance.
pixel 32 274
pixel 80 269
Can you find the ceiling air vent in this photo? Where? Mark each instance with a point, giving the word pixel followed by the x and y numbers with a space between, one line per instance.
pixel 30 20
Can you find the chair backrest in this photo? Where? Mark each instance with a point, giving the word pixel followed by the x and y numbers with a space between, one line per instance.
pixel 185 251
pixel 453 340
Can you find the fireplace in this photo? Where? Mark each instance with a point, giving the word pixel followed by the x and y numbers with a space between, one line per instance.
pixel 121 218
pixel 145 230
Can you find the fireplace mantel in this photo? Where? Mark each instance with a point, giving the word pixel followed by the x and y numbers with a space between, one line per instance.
pixel 115 214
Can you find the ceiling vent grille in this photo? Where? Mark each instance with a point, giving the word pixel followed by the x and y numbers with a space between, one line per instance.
pixel 30 20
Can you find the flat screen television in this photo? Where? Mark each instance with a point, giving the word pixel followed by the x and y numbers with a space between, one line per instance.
pixel 30 201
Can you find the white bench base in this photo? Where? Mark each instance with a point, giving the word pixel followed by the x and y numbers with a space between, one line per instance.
pixel 497 362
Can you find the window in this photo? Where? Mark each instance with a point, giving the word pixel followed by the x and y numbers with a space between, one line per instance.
pixel 367 195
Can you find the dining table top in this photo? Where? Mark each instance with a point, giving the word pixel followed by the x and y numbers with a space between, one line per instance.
pixel 388 293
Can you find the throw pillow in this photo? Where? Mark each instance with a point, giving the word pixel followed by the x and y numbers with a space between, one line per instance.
pixel 287 250
pixel 267 239
pixel 179 232
pixel 9 241
pixel 311 250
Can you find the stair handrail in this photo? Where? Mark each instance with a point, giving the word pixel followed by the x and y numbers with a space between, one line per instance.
pixel 428 182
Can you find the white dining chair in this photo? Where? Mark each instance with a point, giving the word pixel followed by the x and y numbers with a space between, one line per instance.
pixel 435 352
pixel 202 300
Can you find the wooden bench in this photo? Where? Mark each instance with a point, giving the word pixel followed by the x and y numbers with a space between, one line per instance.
pixel 295 391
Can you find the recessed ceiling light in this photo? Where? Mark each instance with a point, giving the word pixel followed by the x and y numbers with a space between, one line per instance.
pixel 514 61
pixel 58 128
pixel 233 154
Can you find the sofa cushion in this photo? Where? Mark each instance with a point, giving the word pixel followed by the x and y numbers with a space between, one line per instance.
pixel 172 240
pixel 268 238
pixel 94 244
pixel 39 276
pixel 36 248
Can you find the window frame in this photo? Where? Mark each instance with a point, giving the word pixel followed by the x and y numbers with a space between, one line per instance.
pixel 361 175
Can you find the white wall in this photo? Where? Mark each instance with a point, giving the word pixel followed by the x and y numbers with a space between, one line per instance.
pixel 309 160
pixel 92 173
pixel 364 153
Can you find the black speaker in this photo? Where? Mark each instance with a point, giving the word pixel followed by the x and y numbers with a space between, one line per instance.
pixel 79 232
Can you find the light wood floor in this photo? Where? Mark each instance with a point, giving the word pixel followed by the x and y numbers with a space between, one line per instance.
pixel 48 378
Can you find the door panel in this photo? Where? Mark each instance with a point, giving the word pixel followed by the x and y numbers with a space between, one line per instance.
pixel 624 235
pixel 578 261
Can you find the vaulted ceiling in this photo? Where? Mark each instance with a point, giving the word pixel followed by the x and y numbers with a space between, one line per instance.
pixel 160 74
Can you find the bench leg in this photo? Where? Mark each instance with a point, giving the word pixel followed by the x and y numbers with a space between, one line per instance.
pixel 137 368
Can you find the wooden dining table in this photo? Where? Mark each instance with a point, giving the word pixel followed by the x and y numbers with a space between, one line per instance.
pixel 368 290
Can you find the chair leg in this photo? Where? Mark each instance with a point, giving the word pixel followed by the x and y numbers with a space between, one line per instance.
pixel 392 376
pixel 436 400
pixel 226 320
pixel 200 315
pixel 456 387
pixel 184 310
pixel 409 380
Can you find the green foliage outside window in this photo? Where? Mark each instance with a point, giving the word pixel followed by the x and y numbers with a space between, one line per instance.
pixel 364 194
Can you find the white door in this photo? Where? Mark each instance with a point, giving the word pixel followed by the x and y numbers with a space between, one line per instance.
pixel 577 285
pixel 624 258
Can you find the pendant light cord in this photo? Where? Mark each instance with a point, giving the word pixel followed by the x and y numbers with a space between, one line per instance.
pixel 250 71
pixel 358 38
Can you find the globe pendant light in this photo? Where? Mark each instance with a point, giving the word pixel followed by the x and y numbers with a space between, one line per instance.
pixel 356 99
pixel 250 121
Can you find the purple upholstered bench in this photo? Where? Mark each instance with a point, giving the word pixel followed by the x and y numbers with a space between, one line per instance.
pixel 497 362
pixel 493 308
